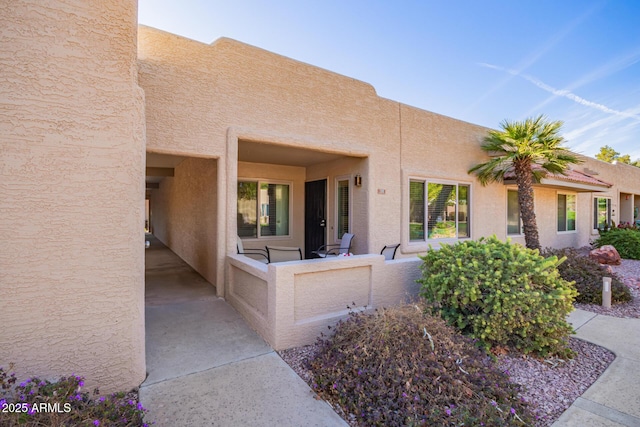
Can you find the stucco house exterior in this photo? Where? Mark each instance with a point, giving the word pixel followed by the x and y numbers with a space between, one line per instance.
pixel 233 142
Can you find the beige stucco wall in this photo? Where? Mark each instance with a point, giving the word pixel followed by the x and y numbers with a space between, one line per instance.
pixel 625 179
pixel 441 148
pixel 185 211
pixel 204 99
pixel 291 303
pixel 72 192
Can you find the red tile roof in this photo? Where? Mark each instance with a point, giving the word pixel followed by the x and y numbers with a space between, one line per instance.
pixel 579 177
pixel 570 176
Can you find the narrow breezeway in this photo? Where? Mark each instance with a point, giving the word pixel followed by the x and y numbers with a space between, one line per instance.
pixel 205 366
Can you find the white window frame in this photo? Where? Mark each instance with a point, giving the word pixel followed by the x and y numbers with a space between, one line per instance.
pixel 259 182
pixel 561 193
pixel 426 181
pixel 521 232
pixel 593 220
pixel 349 180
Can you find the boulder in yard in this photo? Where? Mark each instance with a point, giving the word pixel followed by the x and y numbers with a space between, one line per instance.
pixel 606 254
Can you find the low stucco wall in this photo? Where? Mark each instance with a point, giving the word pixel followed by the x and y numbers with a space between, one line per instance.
pixel 248 291
pixel 291 303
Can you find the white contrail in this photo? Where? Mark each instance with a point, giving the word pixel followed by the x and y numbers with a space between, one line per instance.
pixel 613 66
pixel 533 57
pixel 564 93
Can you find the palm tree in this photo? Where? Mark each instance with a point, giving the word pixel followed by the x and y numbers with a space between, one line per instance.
pixel 528 151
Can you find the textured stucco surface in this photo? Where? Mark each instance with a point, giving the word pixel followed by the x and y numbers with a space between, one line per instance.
pixel 72 192
pixel 321 293
pixel 304 297
pixel 250 289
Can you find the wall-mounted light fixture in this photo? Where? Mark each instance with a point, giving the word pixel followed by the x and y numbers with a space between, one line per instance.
pixel 626 197
pixel 357 180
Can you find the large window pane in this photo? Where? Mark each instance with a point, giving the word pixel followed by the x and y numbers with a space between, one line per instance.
pixel 267 207
pixel 442 211
pixel 464 224
pixel 513 213
pixel 562 212
pixel 571 212
pixel 601 213
pixel 274 209
pixel 416 210
pixel 343 207
pixel 566 212
pixel 247 208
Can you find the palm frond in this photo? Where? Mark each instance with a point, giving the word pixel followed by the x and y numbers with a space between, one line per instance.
pixel 535 141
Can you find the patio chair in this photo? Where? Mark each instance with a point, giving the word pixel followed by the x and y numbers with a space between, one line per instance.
pixel 334 250
pixel 389 251
pixel 283 253
pixel 258 254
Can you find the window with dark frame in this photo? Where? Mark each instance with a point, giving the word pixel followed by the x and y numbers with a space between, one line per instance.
pixel 601 213
pixel 514 224
pixel 263 209
pixel 566 212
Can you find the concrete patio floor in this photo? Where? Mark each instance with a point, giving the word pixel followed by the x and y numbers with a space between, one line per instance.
pixel 205 366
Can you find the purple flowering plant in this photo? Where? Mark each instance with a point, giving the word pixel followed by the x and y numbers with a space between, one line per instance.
pixel 71 405
pixel 401 366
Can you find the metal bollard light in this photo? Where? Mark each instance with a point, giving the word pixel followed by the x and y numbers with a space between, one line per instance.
pixel 606 292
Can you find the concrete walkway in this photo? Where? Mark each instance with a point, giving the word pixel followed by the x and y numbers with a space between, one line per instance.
pixel 614 399
pixel 206 367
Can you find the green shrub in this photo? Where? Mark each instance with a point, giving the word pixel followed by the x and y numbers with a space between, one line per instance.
pixel 500 293
pixel 63 403
pixel 403 367
pixel 587 275
pixel 625 240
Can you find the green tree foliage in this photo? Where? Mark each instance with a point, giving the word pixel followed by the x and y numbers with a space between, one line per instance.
pixel 501 294
pixel 608 154
pixel 527 150
pixel 625 240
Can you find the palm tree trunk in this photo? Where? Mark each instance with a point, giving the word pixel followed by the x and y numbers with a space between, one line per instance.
pixel 524 179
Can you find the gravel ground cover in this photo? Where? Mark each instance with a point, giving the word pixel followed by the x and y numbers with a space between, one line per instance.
pixel 551 385
pixel 629 272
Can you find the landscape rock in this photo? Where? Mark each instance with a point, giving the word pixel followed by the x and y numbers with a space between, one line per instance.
pixel 606 254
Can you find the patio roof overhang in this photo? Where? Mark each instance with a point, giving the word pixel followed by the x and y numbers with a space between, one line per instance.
pixel 288 154
pixel 572 180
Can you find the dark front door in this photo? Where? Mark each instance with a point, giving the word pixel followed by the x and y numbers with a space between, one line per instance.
pixel 315 203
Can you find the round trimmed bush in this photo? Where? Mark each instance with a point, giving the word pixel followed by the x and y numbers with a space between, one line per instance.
pixel 500 293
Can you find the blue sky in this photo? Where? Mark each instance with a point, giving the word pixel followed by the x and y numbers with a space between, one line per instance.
pixel 478 61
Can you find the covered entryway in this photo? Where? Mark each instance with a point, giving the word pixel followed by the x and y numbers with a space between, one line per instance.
pixel 323 199
pixel 183 208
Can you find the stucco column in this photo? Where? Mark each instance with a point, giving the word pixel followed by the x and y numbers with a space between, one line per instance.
pixel 72 192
